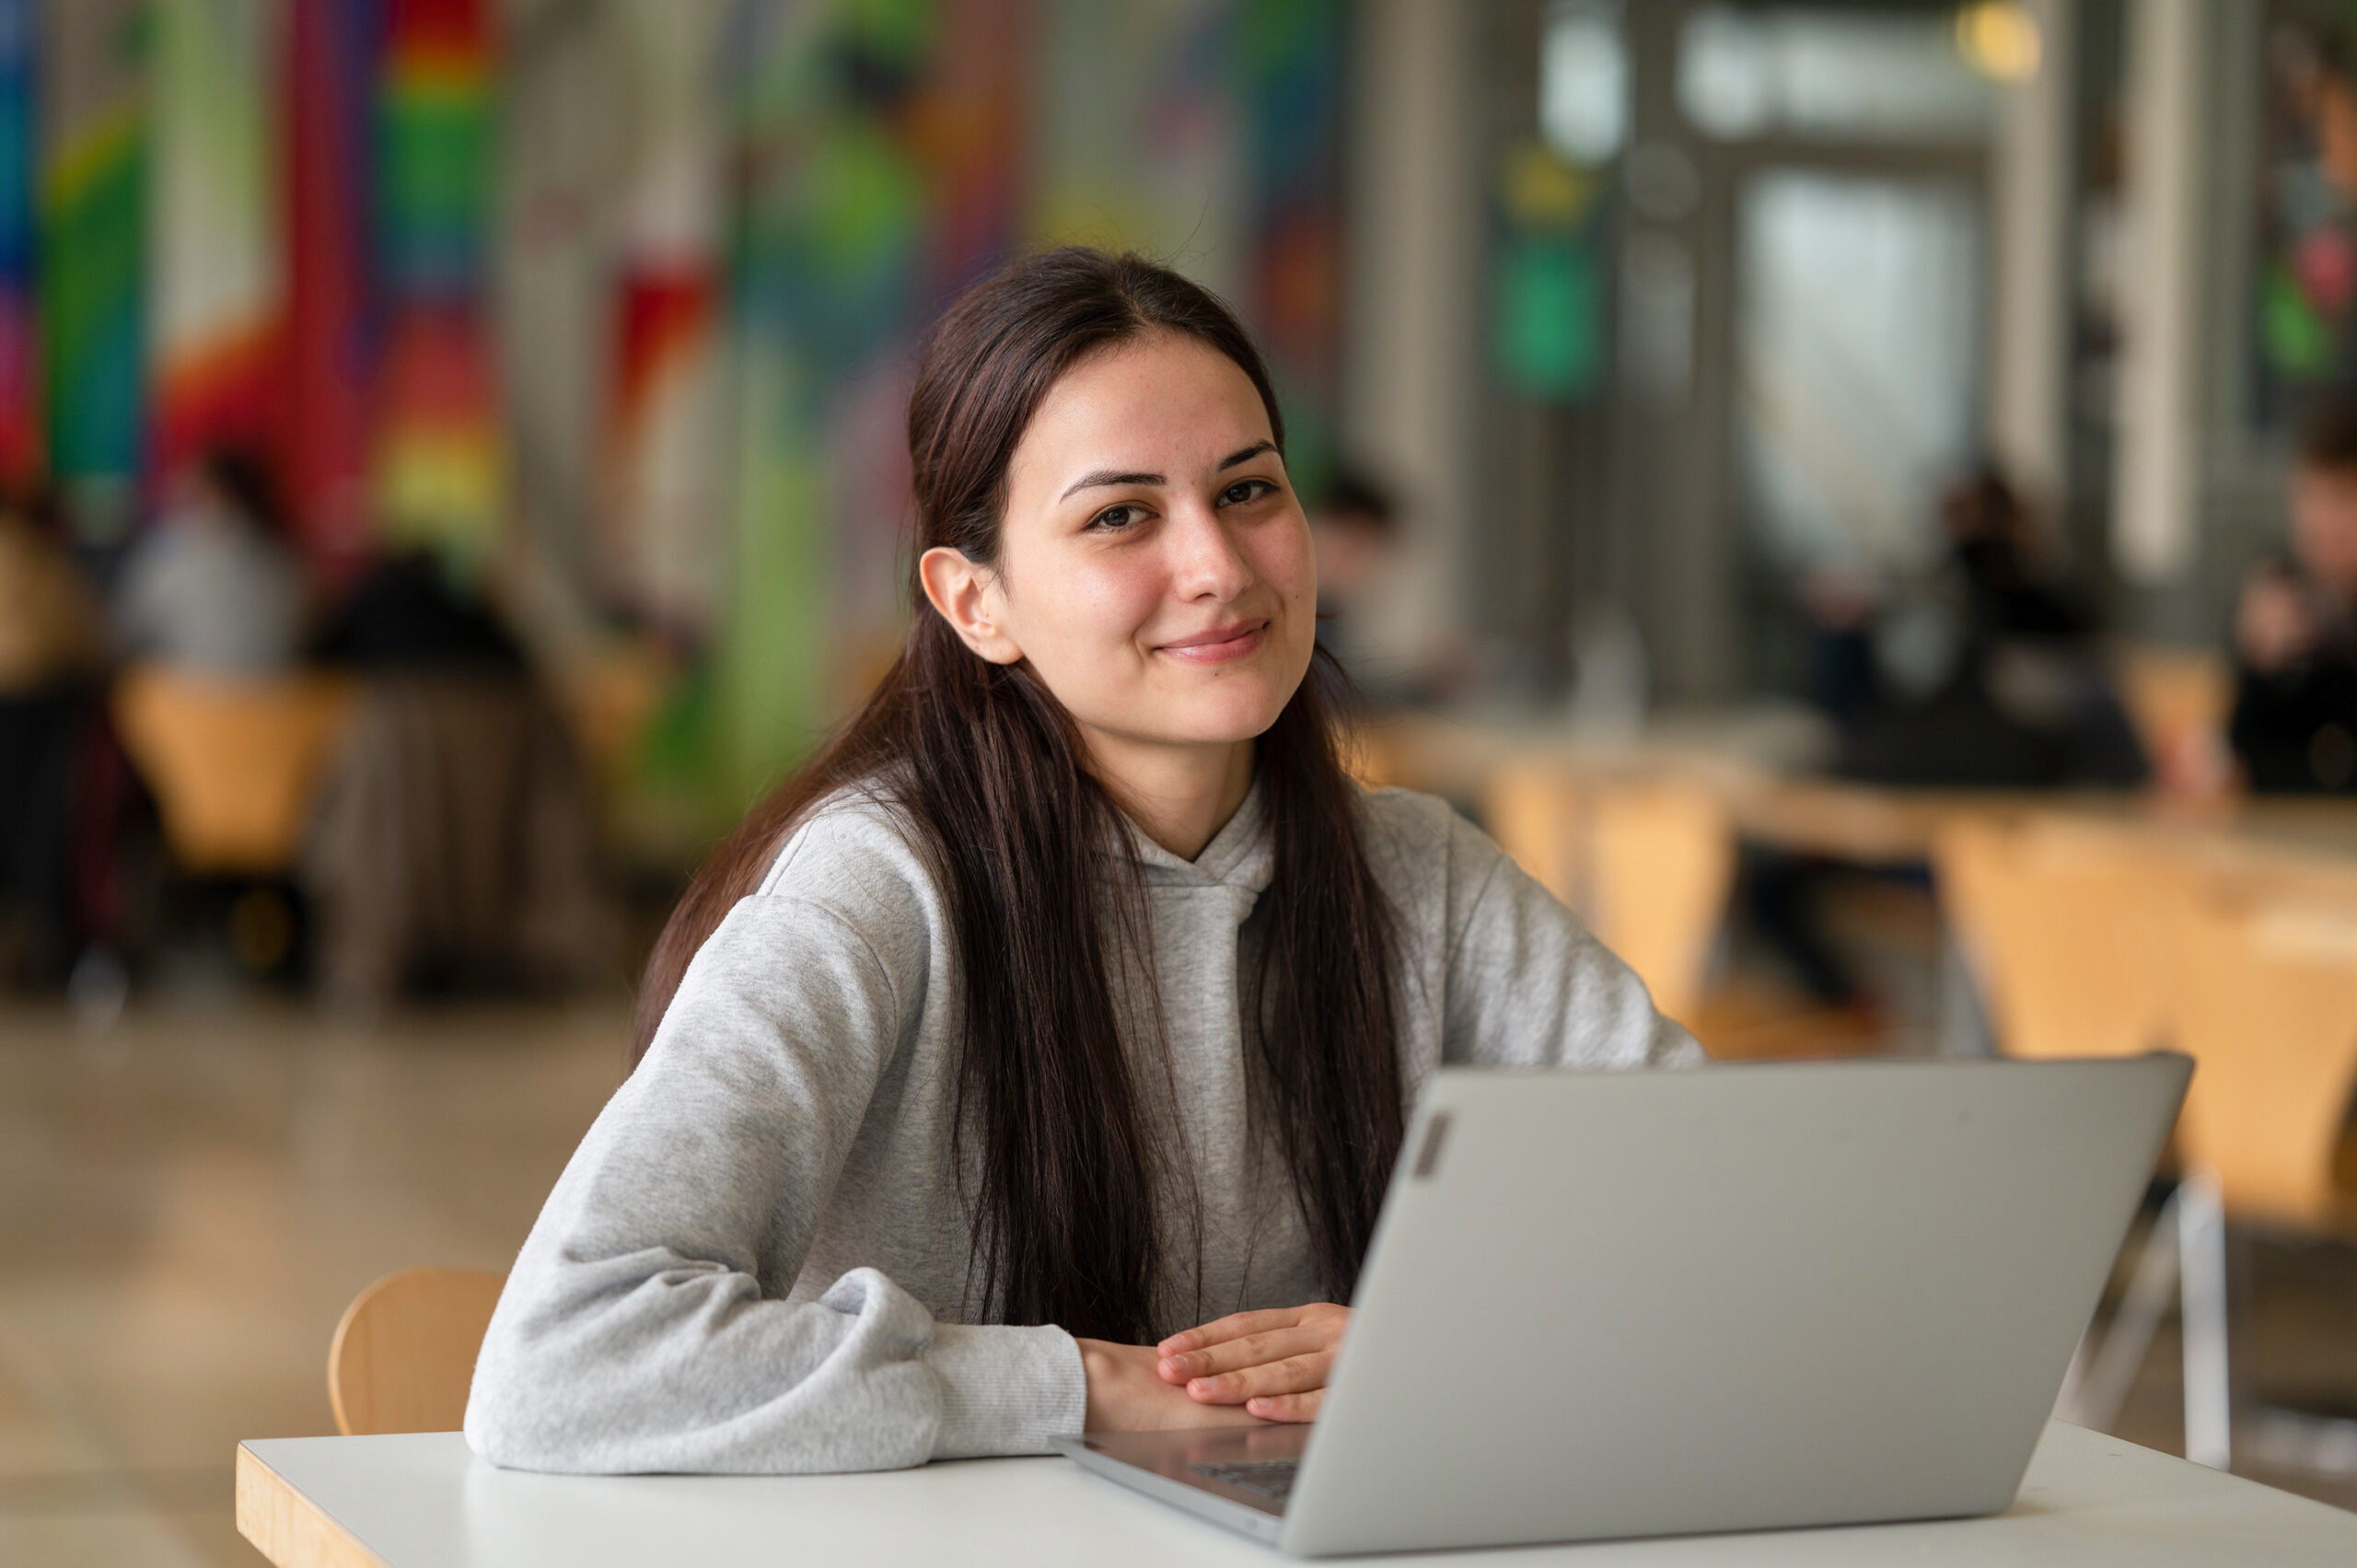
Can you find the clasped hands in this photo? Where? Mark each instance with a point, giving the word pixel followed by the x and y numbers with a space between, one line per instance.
pixel 1240 1370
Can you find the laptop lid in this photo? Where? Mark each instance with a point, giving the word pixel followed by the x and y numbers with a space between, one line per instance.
pixel 1627 1304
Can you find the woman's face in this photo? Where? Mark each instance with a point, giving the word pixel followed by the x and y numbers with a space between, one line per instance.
pixel 1154 566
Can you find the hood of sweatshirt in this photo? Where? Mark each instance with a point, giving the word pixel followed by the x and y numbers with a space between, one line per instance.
pixel 1240 857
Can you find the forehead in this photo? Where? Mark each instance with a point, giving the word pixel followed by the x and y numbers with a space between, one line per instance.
pixel 1163 402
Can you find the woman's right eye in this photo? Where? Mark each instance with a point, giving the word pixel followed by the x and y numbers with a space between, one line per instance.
pixel 1113 517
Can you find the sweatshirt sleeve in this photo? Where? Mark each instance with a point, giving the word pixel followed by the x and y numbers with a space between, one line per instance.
pixel 638 1331
pixel 1528 986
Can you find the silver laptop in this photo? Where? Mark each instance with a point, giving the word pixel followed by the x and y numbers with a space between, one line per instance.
pixel 1743 1297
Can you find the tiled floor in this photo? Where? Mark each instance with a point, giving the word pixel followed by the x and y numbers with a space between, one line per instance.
pixel 187 1202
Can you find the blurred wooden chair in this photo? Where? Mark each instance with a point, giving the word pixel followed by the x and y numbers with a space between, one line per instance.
pixel 2064 928
pixel 1646 862
pixel 2061 927
pixel 2101 940
pixel 233 764
pixel 404 1353
pixel 2264 965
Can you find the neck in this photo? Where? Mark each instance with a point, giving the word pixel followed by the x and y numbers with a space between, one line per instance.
pixel 1180 796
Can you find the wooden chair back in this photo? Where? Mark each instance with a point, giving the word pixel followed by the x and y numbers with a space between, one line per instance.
pixel 2061 926
pixel 1535 813
pixel 2264 967
pixel 404 1354
pixel 1646 862
pixel 232 762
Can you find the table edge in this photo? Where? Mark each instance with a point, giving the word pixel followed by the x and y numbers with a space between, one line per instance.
pixel 286 1526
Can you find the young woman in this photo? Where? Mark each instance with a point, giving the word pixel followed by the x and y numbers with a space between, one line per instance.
pixel 1071 997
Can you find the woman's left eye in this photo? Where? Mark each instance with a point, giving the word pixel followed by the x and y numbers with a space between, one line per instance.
pixel 1245 489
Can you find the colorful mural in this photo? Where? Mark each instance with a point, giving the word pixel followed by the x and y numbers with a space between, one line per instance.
pixel 333 327
pixel 439 467
pixel 660 544
pixel 271 223
pixel 876 160
pixel 215 302
pixel 20 428
pixel 1288 68
pixel 93 256
pixel 2306 307
pixel 890 150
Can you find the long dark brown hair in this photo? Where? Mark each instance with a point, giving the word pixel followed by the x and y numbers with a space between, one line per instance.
pixel 987 770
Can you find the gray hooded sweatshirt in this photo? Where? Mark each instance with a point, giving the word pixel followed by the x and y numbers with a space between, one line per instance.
pixel 758 1259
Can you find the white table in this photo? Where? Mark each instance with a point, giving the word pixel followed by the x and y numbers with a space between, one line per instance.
pixel 412 1502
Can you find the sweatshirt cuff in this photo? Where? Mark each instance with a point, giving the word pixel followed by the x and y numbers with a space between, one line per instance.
pixel 1004 1389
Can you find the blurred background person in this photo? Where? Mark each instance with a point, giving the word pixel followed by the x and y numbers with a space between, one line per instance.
pixel 1990 673
pixel 454 840
pixel 1356 531
pixel 213 587
pixel 62 782
pixel 421 610
pixel 49 621
pixel 49 649
pixel 1363 563
pixel 2294 725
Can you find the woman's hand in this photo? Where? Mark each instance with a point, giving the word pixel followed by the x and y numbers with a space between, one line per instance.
pixel 1126 1393
pixel 1273 1364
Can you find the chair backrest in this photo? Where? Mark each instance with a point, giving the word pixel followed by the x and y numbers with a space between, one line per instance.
pixel 1535 813
pixel 404 1353
pixel 2264 972
pixel 232 762
pixel 1646 862
pixel 2061 925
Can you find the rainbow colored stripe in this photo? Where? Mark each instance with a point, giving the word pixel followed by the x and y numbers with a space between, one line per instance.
pixel 440 463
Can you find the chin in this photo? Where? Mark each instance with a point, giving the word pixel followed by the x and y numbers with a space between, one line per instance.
pixel 1230 715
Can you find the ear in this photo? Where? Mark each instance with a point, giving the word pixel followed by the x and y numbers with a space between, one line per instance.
pixel 968 597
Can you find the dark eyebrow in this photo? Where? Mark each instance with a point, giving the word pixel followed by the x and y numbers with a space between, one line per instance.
pixel 1103 477
pixel 1107 476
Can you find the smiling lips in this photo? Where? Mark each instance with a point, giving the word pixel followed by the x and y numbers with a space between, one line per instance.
pixel 1220 644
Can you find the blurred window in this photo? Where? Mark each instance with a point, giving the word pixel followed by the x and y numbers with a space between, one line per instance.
pixel 1836 75
pixel 1858 362
pixel 1583 81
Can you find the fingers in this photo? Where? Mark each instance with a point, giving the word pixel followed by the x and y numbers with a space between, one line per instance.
pixel 1232 1325
pixel 1183 1414
pixel 1233 1355
pixel 1292 1375
pixel 1287 1407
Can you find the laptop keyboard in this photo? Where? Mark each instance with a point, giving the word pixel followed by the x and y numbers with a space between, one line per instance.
pixel 1271 1479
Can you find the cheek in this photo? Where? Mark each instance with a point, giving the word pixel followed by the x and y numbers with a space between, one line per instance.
pixel 2328 538
pixel 1286 560
pixel 1096 604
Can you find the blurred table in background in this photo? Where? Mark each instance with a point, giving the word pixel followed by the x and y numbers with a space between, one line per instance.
pixel 1762 767
pixel 1755 795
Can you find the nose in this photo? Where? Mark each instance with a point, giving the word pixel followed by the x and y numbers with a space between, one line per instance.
pixel 1206 565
